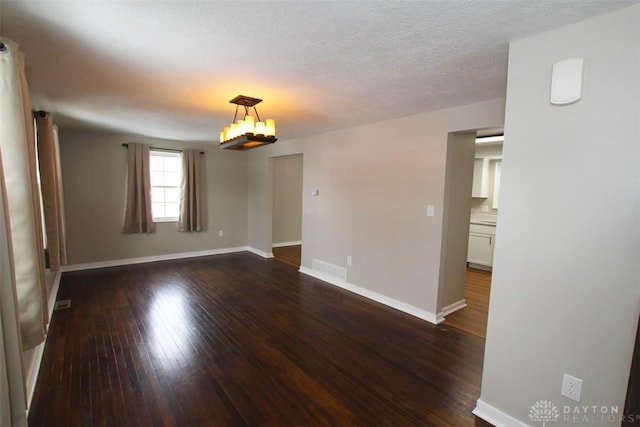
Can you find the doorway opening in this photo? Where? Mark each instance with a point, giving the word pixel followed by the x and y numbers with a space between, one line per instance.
pixel 474 164
pixel 286 228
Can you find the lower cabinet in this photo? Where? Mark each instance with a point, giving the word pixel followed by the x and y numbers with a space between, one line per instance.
pixel 481 242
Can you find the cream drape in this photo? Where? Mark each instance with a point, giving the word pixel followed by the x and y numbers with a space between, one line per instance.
pixel 22 204
pixel 138 216
pixel 52 195
pixel 12 389
pixel 22 266
pixel 190 193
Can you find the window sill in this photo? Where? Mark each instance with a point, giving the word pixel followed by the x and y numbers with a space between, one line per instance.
pixel 165 219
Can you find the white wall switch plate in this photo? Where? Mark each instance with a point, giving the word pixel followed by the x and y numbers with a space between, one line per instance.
pixel 315 192
pixel 220 233
pixel 349 260
pixel 431 210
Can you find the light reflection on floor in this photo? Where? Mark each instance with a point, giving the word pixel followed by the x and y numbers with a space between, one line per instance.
pixel 170 327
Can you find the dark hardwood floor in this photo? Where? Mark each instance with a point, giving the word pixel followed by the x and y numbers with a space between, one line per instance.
pixel 290 254
pixel 239 340
pixel 473 318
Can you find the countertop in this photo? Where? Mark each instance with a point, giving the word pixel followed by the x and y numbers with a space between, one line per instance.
pixel 484 219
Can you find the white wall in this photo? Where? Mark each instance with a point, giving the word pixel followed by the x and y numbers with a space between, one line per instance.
pixel 94 170
pixel 375 183
pixel 566 280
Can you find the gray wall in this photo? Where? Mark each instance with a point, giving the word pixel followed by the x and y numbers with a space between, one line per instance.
pixel 565 294
pixel 94 170
pixel 457 210
pixel 375 183
pixel 287 199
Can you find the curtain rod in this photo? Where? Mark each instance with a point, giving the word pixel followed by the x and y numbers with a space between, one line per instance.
pixel 171 150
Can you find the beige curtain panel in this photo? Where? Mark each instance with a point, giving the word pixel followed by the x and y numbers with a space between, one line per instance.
pixel 138 216
pixel 190 194
pixel 51 187
pixel 13 402
pixel 21 197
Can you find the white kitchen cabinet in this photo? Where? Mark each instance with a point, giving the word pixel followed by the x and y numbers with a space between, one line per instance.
pixel 480 187
pixel 482 239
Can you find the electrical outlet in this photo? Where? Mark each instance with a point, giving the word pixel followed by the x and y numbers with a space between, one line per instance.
pixel 220 233
pixel 571 387
pixel 349 260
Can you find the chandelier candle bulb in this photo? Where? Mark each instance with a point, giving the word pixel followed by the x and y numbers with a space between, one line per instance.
pixel 250 124
pixel 260 128
pixel 270 127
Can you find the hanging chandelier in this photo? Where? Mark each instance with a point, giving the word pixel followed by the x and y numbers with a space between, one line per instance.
pixel 248 132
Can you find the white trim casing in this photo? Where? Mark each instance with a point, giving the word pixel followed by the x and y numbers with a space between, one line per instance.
pixel 259 252
pixel 495 416
pixel 166 257
pixel 281 244
pixel 382 299
pixel 452 308
pixel 34 369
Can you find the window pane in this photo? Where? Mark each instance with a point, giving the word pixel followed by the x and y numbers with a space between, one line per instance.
pixel 166 171
pixel 172 164
pixel 172 178
pixel 172 195
pixel 157 209
pixel 155 163
pixel 172 209
pixel 157 178
pixel 157 195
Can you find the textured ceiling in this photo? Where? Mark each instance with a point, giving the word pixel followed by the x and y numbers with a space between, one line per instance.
pixel 167 69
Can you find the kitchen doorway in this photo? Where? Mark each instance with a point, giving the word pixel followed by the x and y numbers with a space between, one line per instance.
pixel 474 162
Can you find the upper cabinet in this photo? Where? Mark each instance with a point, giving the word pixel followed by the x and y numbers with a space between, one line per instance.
pixel 480 178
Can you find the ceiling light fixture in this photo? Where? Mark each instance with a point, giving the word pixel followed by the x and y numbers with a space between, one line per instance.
pixel 488 139
pixel 247 133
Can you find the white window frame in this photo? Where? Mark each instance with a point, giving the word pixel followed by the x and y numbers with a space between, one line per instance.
pixel 170 154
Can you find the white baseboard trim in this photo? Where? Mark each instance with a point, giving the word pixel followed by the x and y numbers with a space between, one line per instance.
pixel 495 416
pixel 34 369
pixel 259 252
pixel 54 292
pixel 479 266
pixel 167 257
pixel 281 244
pixel 382 299
pixel 453 307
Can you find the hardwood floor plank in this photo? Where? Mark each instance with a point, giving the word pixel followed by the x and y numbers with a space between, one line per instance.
pixel 473 317
pixel 240 340
pixel 288 254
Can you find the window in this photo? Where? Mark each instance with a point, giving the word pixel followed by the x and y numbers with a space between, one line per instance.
pixel 166 173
